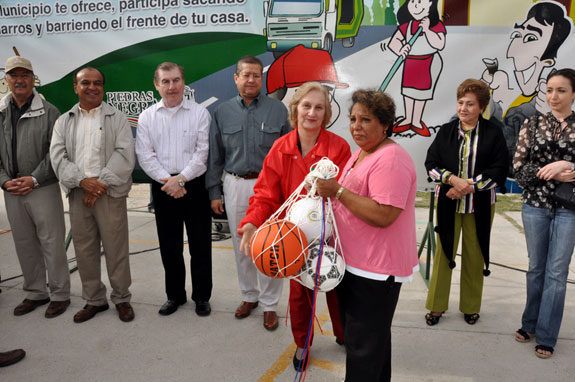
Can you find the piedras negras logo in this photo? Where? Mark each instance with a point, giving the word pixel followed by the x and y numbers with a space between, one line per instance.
pixel 132 103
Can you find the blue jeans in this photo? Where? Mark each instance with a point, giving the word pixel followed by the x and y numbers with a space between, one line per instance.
pixel 550 236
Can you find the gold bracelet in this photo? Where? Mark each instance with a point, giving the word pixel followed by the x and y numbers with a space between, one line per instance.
pixel 339 192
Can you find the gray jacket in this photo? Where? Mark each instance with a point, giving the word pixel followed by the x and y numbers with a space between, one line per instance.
pixel 117 155
pixel 34 134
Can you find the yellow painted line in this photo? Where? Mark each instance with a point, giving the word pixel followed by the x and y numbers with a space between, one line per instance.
pixel 327 365
pixel 221 247
pixel 284 361
pixel 280 365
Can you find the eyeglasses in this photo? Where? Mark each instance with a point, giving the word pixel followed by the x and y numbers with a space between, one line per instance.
pixel 22 75
pixel 247 76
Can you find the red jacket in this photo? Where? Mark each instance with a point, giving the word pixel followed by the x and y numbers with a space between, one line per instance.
pixel 284 169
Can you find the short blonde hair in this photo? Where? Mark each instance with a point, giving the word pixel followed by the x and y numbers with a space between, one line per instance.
pixel 302 92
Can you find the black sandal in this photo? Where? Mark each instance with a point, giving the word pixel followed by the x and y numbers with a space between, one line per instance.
pixel 471 319
pixel 526 337
pixel 431 320
pixel 544 348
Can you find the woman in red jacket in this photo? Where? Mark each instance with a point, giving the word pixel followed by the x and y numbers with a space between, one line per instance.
pixel 285 167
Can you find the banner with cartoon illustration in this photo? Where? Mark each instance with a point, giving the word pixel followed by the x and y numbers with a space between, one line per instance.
pixel 418 51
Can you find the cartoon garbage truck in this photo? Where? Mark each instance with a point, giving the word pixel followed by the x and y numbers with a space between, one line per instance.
pixel 315 24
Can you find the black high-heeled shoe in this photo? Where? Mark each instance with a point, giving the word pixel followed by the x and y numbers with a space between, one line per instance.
pixel 300 364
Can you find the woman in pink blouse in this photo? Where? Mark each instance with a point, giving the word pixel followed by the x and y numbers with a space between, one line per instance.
pixel 375 214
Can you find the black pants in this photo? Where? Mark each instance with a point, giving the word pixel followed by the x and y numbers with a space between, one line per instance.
pixel 193 210
pixel 367 307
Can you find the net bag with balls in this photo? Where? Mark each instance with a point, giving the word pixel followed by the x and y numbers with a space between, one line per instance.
pixel 310 219
pixel 278 248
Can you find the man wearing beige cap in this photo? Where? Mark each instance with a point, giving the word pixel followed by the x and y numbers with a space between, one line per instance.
pixel 31 192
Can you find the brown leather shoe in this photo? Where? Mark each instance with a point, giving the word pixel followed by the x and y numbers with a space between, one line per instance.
pixel 27 306
pixel 245 309
pixel 56 308
pixel 125 311
pixel 88 312
pixel 11 357
pixel 270 320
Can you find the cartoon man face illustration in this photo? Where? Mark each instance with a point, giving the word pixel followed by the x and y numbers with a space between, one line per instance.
pixel 533 48
pixel 533 38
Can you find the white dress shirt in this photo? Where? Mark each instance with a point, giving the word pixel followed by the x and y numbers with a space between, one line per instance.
pixel 89 142
pixel 173 140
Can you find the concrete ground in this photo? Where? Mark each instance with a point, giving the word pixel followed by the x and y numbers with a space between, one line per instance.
pixel 185 347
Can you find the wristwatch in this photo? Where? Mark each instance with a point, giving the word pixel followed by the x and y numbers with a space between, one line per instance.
pixel 181 181
pixel 572 166
pixel 36 184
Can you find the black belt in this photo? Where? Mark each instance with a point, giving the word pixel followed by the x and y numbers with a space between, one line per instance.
pixel 249 175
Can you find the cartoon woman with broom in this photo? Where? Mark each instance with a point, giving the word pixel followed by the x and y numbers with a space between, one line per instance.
pixel 419 22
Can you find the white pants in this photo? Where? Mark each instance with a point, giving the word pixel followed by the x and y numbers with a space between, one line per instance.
pixel 237 192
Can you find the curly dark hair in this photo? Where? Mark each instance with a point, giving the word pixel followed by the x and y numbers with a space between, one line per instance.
pixel 379 104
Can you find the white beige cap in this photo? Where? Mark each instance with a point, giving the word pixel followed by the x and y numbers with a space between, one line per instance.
pixel 17 62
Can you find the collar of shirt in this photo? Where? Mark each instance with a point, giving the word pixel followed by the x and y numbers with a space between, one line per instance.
pixel 255 101
pixel 462 132
pixel 90 113
pixel 24 107
pixel 291 143
pixel 162 105
pixel 569 119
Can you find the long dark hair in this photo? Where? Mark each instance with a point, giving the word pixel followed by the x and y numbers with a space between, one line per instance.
pixel 403 15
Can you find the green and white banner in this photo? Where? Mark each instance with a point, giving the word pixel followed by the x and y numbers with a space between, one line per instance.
pixel 346 44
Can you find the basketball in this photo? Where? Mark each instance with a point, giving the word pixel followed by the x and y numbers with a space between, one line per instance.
pixel 278 249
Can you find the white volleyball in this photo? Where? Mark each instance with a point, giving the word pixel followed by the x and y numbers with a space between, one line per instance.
pixel 306 214
pixel 331 270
